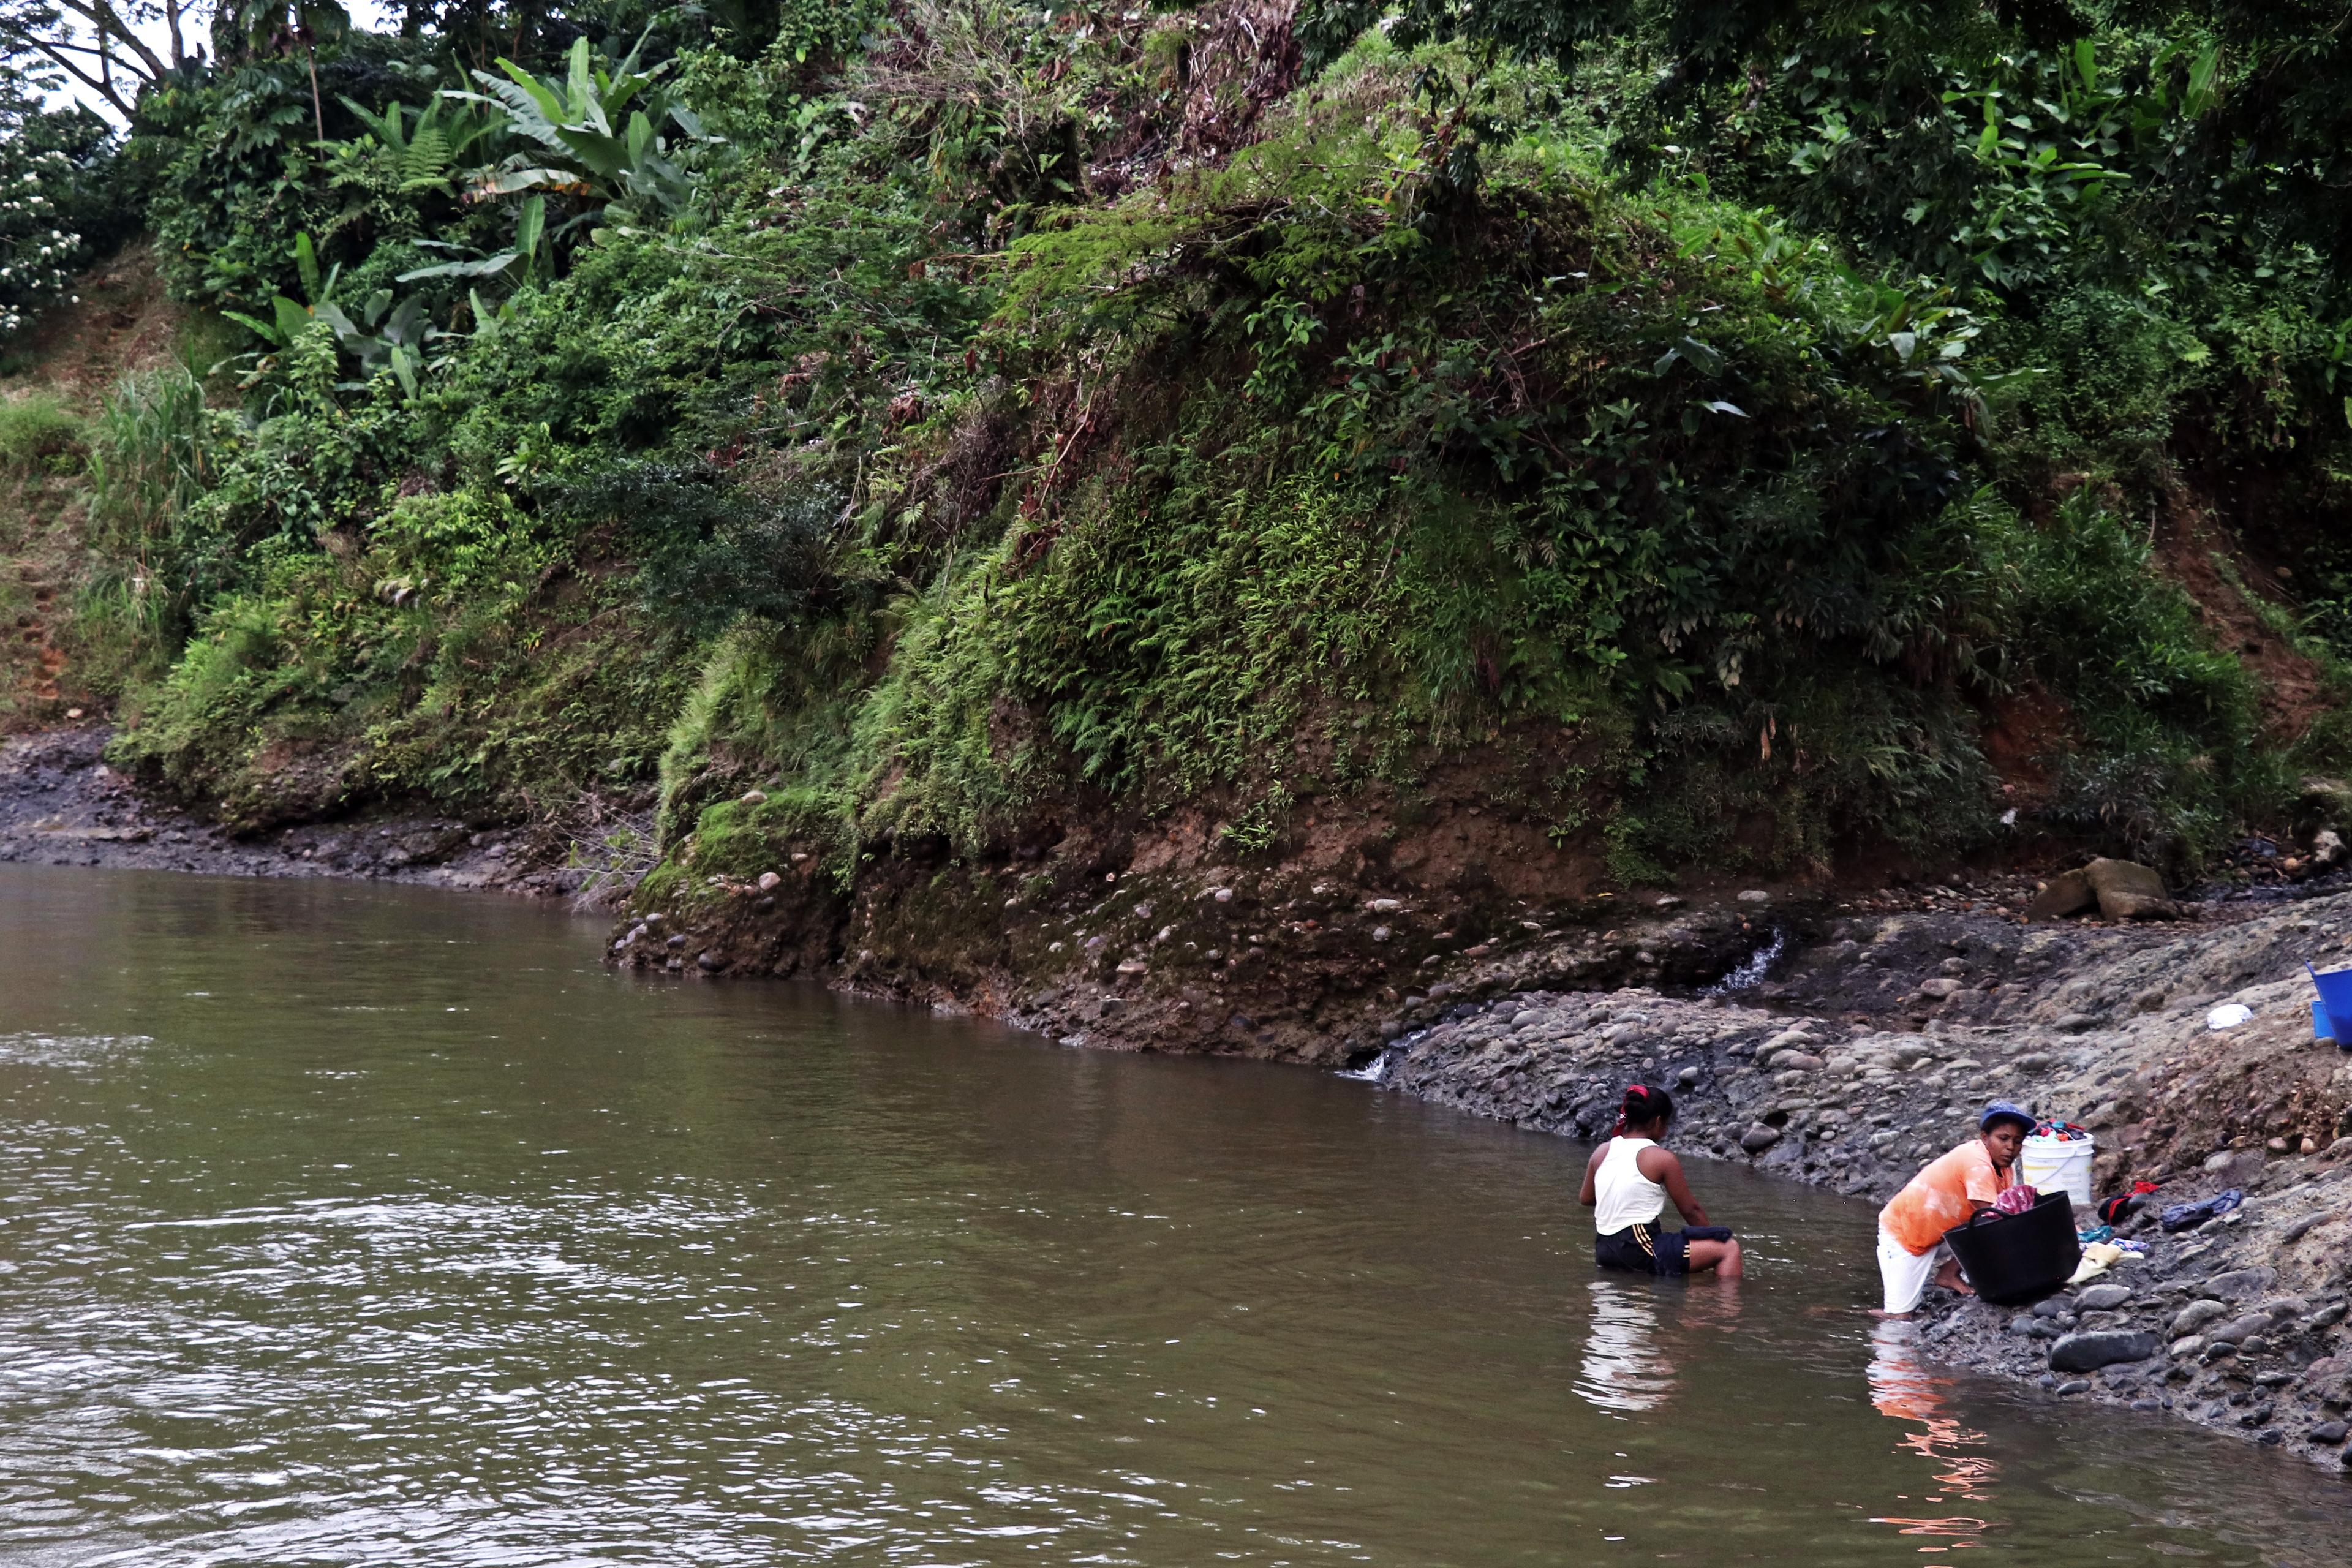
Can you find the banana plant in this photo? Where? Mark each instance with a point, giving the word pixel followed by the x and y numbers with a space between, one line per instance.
pixel 524 260
pixel 387 336
pixel 600 134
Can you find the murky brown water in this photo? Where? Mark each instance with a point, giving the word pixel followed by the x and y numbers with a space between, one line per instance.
pixel 362 1225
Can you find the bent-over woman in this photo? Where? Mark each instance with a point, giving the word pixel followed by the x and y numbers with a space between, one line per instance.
pixel 1626 1185
pixel 1953 1189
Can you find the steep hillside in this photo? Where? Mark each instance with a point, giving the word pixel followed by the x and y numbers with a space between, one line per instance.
pixel 966 462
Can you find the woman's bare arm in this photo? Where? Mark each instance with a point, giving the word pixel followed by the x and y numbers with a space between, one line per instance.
pixel 1661 1166
pixel 1588 1197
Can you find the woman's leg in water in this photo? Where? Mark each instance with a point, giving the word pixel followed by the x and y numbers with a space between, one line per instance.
pixel 1723 1257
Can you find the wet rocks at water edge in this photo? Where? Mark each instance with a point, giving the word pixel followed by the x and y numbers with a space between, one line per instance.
pixel 62 805
pixel 2237 1323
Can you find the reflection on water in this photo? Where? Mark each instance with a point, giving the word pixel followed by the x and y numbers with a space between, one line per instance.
pixel 1623 1368
pixel 368 1226
pixel 1903 1387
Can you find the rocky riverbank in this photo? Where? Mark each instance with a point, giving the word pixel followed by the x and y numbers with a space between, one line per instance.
pixel 2238 1325
pixel 1837 1043
pixel 61 805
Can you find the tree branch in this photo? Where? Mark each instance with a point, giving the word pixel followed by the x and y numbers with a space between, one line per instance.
pixel 102 87
pixel 104 19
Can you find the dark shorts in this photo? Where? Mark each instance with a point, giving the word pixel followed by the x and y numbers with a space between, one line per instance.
pixel 1644 1250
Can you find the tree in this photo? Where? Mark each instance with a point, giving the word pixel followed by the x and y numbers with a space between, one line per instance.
pixel 97 42
pixel 278 27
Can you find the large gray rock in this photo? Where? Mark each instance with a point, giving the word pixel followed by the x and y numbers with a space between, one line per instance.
pixel 2102 1298
pixel 2241 1284
pixel 2196 1315
pixel 2129 892
pixel 2100 1347
pixel 1758 1138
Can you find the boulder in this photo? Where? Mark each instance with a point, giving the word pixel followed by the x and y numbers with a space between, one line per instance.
pixel 2100 1347
pixel 1758 1138
pixel 2102 1298
pixel 2196 1315
pixel 2068 893
pixel 2129 892
pixel 2241 1284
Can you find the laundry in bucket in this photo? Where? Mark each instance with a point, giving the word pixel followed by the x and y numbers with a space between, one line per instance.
pixel 2180 1217
pixel 2016 1200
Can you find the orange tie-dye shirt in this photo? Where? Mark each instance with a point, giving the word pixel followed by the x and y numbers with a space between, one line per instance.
pixel 1939 1197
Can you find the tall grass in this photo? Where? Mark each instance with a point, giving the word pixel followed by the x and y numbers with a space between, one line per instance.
pixel 148 464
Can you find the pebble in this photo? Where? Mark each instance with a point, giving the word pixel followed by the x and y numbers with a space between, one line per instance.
pixel 1755 896
pixel 2101 1298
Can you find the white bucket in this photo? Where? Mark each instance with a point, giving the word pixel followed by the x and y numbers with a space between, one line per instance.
pixel 2058 1165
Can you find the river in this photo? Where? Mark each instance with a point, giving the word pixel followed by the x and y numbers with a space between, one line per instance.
pixel 356 1225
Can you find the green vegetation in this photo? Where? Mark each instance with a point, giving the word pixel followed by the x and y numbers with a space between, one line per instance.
pixel 946 415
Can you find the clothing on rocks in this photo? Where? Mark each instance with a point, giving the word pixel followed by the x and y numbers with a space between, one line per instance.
pixel 1941 1196
pixel 1906 1273
pixel 2097 1258
pixel 2180 1217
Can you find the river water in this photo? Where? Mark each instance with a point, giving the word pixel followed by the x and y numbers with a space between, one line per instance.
pixel 352 1225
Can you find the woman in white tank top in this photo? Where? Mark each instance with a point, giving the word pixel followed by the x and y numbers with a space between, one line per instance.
pixel 1626 1185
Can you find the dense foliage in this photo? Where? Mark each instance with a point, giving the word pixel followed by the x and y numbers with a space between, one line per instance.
pixel 936 413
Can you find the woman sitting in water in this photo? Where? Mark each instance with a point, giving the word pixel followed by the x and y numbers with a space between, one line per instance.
pixel 1951 1191
pixel 1626 1185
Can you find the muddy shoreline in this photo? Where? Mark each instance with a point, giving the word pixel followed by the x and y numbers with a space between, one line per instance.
pixel 61 805
pixel 1845 1046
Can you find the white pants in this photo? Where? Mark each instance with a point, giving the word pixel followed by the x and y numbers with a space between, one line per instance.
pixel 1906 1273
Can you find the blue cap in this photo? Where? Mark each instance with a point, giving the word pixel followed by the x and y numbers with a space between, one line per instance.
pixel 2004 1110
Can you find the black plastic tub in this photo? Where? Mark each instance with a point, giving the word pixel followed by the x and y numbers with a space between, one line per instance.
pixel 2017 1258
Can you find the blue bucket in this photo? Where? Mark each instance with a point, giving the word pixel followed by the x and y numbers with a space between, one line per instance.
pixel 2331 1016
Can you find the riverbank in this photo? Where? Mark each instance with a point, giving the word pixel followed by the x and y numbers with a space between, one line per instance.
pixel 1843 1044
pixel 2237 1325
pixel 61 805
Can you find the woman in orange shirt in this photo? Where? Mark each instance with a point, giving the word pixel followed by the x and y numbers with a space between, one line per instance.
pixel 1953 1189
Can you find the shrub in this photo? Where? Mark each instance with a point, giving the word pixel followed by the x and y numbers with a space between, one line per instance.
pixel 38 434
